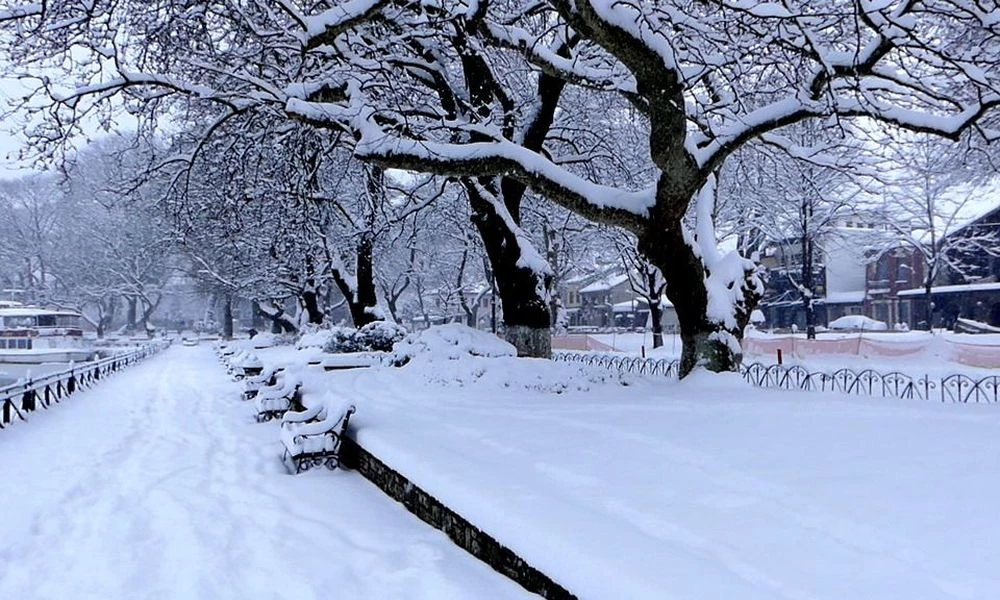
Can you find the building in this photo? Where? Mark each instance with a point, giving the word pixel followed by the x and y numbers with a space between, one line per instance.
pixel 892 272
pixel 972 292
pixel 598 299
pixel 840 273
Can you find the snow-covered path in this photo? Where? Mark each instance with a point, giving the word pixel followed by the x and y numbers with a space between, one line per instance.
pixel 157 484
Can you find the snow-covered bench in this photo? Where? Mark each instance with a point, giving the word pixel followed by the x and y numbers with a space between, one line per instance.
pixel 252 384
pixel 249 366
pixel 312 437
pixel 273 401
pixel 233 360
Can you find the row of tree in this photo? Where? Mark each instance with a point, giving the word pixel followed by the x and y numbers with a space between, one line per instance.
pixel 630 114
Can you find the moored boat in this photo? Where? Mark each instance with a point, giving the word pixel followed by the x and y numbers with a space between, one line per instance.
pixel 32 335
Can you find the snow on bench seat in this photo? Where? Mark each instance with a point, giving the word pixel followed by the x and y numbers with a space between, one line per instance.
pixel 312 437
pixel 273 401
pixel 252 384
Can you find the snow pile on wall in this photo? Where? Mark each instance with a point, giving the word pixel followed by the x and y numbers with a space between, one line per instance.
pixel 313 338
pixel 266 340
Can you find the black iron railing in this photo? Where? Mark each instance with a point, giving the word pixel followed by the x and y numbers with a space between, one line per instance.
pixel 867 382
pixel 28 395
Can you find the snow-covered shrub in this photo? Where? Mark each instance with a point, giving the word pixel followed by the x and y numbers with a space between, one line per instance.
pixel 450 342
pixel 380 336
pixel 343 339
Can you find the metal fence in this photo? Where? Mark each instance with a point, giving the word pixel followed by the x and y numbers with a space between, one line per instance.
pixel 867 382
pixel 28 395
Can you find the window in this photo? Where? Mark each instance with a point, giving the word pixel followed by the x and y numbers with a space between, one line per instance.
pixel 882 269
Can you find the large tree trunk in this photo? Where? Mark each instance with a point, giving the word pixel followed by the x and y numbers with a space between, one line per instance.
pixel 310 303
pixel 309 297
pixel 130 316
pixel 227 317
pixel 706 342
pixel 656 314
pixel 361 299
pixel 525 310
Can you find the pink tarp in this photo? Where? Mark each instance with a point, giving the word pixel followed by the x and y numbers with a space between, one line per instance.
pixel 976 356
pixel 967 354
pixel 579 342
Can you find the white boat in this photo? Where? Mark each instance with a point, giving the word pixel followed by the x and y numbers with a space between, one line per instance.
pixel 32 335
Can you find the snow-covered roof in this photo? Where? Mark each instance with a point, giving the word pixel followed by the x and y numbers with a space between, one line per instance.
pixel 954 289
pixel 605 283
pixel 638 304
pixel 845 297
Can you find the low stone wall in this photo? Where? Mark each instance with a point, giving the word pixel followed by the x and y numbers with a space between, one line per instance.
pixel 463 533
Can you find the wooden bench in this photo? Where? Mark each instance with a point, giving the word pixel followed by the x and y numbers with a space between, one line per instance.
pixel 273 401
pixel 312 437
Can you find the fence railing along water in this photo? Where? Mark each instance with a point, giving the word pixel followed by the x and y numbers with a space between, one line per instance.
pixel 31 394
pixel 867 382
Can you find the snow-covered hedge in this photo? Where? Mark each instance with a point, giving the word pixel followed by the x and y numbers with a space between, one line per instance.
pixel 379 336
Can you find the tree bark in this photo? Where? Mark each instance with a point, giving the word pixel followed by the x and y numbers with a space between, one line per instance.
pixel 929 305
pixel 656 314
pixel 130 315
pixel 361 300
pixel 807 286
pixel 309 300
pixel 227 317
pixel 525 312
pixel 309 297
pixel 706 342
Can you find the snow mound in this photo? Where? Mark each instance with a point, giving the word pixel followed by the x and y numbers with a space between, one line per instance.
pixel 454 355
pixel 452 341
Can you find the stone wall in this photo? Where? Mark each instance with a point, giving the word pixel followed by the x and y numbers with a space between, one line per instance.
pixel 463 533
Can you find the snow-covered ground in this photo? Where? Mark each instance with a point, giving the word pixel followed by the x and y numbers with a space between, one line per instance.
pixel 648 488
pixel 701 489
pixel 157 484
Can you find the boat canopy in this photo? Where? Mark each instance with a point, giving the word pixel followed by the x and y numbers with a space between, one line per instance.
pixel 28 317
